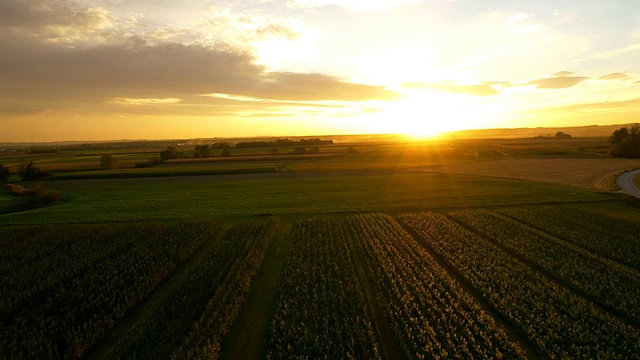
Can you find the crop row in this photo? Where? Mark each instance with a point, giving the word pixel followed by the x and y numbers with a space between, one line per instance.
pixel 91 294
pixel 321 310
pixel 225 279
pixel 36 267
pixel 613 238
pixel 608 282
pixel 561 324
pixel 429 313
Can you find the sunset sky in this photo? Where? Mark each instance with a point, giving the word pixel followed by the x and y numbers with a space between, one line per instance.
pixel 155 69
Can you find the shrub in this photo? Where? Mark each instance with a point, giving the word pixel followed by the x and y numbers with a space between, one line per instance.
pixel 226 153
pixel 275 151
pixel 35 197
pixel 299 150
pixel 42 197
pixel 17 190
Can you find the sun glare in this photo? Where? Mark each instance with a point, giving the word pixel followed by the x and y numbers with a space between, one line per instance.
pixel 425 115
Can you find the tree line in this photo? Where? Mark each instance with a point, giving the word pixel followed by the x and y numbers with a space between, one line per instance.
pixel 625 142
pixel 284 142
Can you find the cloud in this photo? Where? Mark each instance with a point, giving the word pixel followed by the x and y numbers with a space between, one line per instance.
pixel 134 69
pixel 364 6
pixel 559 80
pixel 60 20
pixel 135 72
pixel 485 89
pixel 242 29
pixel 276 30
pixel 605 105
pixel 616 52
pixel 146 101
pixel 616 77
pixel 316 87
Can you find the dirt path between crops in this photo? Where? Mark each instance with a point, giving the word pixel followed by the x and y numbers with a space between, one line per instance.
pixel 532 351
pixel 120 336
pixel 246 340
pixel 376 314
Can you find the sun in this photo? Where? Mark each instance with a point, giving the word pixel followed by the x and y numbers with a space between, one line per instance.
pixel 426 115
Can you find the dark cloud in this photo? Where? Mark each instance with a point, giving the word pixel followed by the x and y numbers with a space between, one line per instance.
pixel 485 89
pixel 47 73
pixel 134 69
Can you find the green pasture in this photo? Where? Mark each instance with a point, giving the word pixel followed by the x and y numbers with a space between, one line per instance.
pixel 216 169
pixel 184 198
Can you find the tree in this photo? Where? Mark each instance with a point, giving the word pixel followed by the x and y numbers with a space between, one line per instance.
pixel 314 150
pixel 625 142
pixel 226 153
pixel 169 153
pixel 203 151
pixel 108 162
pixel 32 173
pixel 299 150
pixel 275 151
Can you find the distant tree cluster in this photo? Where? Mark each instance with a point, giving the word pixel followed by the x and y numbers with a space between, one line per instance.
pixel 170 153
pixel 202 151
pixel 562 135
pixel 284 142
pixel 625 142
pixel 43 150
pixel 32 173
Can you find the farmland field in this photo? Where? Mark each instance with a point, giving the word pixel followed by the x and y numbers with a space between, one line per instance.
pixel 526 281
pixel 338 257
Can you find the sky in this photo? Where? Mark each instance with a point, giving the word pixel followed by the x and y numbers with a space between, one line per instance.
pixel 167 69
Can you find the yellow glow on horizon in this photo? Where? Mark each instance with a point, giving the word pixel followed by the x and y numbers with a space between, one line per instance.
pixel 145 101
pixel 427 114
